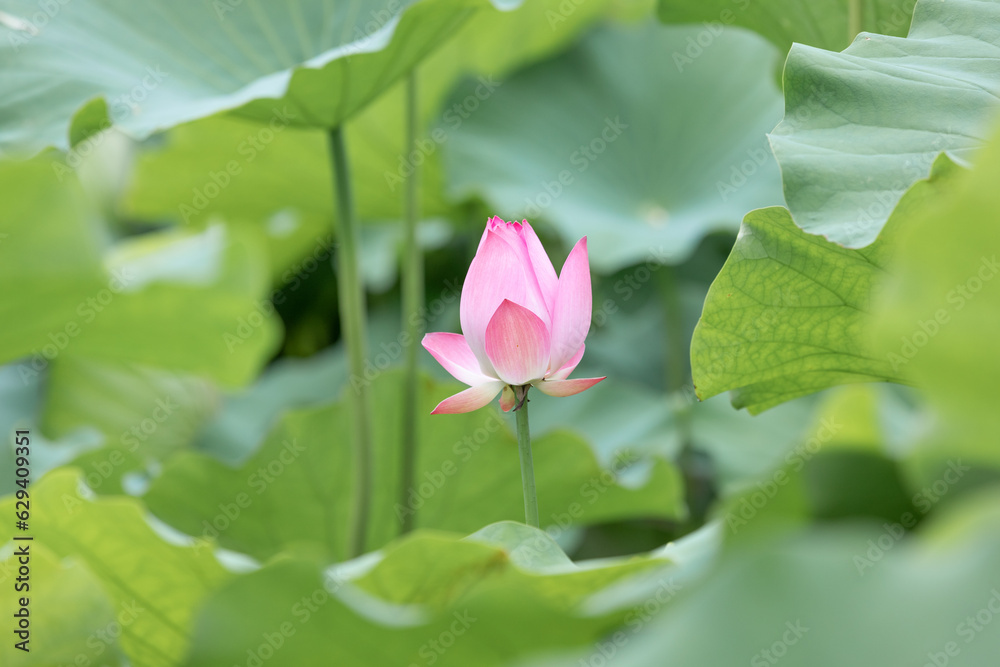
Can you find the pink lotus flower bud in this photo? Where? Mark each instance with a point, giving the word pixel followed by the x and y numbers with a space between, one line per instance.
pixel 523 326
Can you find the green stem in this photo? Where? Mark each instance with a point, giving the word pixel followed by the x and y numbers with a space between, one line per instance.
pixel 354 327
pixel 527 466
pixel 853 19
pixel 413 288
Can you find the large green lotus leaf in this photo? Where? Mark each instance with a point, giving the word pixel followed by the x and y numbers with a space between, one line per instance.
pixel 279 191
pixel 114 397
pixel 820 23
pixel 429 599
pixel 288 176
pixel 247 415
pixel 70 615
pixel 482 50
pixel 690 557
pixel 863 125
pixel 222 166
pixel 468 474
pixel 199 306
pixel 156 584
pixel 412 570
pixel 274 185
pixel 790 313
pixel 143 414
pixel 809 599
pixel 613 142
pixel 22 399
pixel 153 65
pixel 940 313
pixel 50 257
pixel 165 299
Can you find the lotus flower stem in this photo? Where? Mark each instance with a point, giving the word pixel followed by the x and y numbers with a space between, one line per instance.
pixel 354 326
pixel 853 19
pixel 527 465
pixel 412 287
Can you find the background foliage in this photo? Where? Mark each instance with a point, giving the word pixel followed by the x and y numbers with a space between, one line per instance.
pixel 791 202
